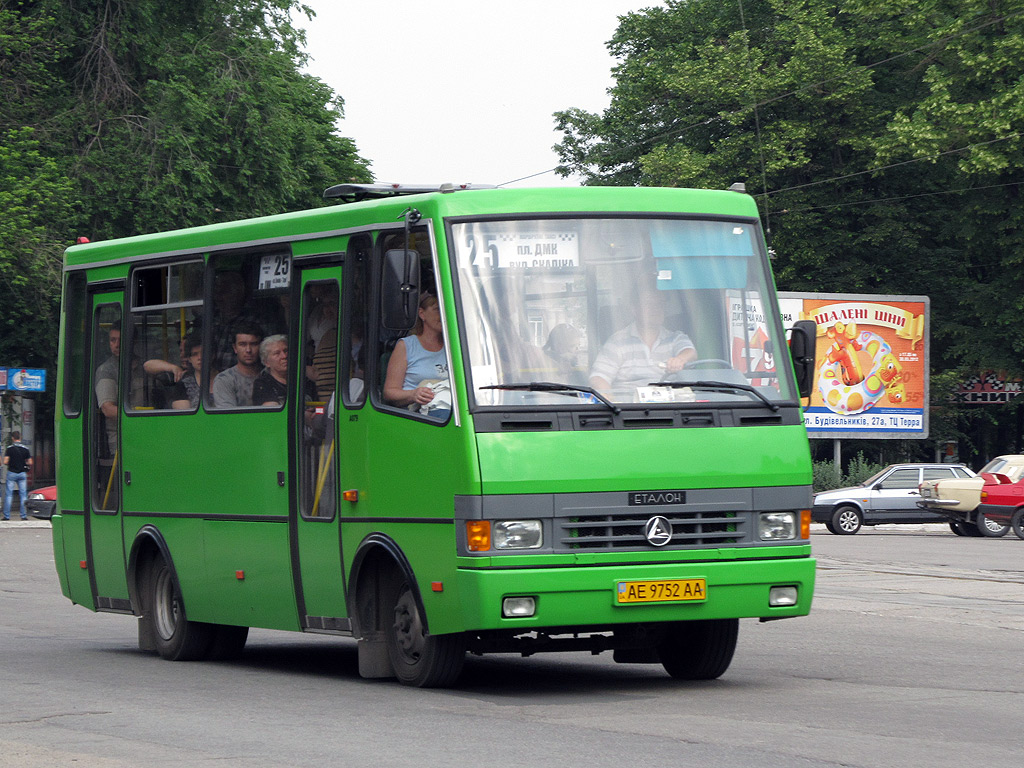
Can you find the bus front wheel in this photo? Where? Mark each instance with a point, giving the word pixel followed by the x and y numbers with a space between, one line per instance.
pixel 176 638
pixel 419 658
pixel 699 650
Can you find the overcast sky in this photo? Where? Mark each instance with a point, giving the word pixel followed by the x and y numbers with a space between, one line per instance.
pixel 463 90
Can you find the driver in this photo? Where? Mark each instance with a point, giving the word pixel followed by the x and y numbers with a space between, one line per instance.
pixel 643 352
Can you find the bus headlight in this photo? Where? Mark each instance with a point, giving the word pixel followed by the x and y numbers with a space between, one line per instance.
pixel 776 526
pixel 779 597
pixel 518 607
pixel 517 534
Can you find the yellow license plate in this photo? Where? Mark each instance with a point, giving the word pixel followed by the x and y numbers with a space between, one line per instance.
pixel 661 591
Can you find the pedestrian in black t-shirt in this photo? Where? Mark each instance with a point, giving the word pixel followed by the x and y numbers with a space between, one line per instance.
pixel 17 459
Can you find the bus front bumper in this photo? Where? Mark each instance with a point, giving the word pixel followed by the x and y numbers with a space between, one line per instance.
pixel 584 596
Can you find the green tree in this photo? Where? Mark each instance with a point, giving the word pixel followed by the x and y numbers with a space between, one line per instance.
pixel 36 197
pixel 878 136
pixel 119 117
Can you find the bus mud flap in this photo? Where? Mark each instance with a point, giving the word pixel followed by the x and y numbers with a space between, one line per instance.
pixel 373 657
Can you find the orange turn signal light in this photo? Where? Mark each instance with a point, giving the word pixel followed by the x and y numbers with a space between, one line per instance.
pixel 478 535
pixel 805 523
pixel 350 495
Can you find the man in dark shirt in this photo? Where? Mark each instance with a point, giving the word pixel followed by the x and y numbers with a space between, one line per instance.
pixel 17 459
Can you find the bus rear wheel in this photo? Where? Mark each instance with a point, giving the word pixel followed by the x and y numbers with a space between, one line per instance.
pixel 699 650
pixel 419 658
pixel 176 638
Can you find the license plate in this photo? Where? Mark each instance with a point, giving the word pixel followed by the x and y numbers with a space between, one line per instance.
pixel 661 591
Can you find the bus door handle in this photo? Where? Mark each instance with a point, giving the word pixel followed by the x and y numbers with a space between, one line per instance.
pixel 127 477
pixel 280 479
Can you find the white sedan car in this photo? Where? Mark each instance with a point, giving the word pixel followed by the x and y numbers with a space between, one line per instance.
pixel 957 500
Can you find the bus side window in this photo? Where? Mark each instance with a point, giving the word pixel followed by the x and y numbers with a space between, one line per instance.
pixel 166 307
pixel 413 367
pixel 250 304
pixel 357 316
pixel 318 458
pixel 106 357
pixel 75 352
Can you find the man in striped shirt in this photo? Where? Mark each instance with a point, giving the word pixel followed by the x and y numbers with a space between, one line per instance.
pixel 641 353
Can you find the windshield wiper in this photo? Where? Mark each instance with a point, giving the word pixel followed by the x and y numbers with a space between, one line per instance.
pixel 557 388
pixel 719 386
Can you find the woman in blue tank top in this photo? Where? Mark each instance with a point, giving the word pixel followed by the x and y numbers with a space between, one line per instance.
pixel 417 376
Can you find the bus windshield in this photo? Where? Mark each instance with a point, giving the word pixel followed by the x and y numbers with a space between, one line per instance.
pixel 620 311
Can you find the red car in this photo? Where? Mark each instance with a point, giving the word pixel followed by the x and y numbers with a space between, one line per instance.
pixel 41 501
pixel 1002 501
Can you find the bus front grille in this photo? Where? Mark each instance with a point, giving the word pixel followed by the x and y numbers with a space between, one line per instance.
pixel 621 530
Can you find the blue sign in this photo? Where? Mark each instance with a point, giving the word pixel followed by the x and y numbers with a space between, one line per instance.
pixel 26 379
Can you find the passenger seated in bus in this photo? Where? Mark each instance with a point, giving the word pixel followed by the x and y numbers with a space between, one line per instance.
pixel 184 393
pixel 232 388
pixel 643 352
pixel 271 385
pixel 417 375
pixel 562 350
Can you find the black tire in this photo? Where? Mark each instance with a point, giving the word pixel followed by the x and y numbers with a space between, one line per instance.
pixel 177 638
pixel 847 520
pixel 699 650
pixel 831 528
pixel 989 528
pixel 958 528
pixel 970 529
pixel 1017 523
pixel 418 658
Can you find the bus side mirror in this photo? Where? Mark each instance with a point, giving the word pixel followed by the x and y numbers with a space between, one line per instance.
pixel 400 289
pixel 801 348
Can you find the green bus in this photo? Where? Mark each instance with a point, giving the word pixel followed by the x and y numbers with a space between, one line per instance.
pixel 439 421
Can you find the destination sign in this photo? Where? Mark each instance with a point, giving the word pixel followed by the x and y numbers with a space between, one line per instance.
pixel 520 250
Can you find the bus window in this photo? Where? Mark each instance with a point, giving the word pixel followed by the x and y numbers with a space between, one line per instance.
pixel 250 304
pixel 414 361
pixel 106 356
pixel 166 312
pixel 75 316
pixel 357 320
pixel 318 455
pixel 640 311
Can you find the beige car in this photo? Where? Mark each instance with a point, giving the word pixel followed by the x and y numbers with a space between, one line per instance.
pixel 959 498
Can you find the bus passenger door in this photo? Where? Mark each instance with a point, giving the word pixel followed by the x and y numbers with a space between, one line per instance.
pixel 316 541
pixel 103 526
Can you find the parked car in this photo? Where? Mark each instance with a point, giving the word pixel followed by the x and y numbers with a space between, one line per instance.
pixel 889 496
pixel 41 502
pixel 1002 502
pixel 958 499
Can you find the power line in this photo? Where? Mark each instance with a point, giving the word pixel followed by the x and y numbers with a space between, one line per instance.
pixel 887 167
pixel 784 211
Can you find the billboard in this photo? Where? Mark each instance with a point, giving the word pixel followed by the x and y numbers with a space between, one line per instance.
pixel 871 377
pixel 988 388
pixel 24 379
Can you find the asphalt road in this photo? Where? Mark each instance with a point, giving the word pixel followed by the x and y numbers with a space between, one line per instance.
pixel 907 659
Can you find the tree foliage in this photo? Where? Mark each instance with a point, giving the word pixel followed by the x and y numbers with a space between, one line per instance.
pixel 881 139
pixel 119 117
